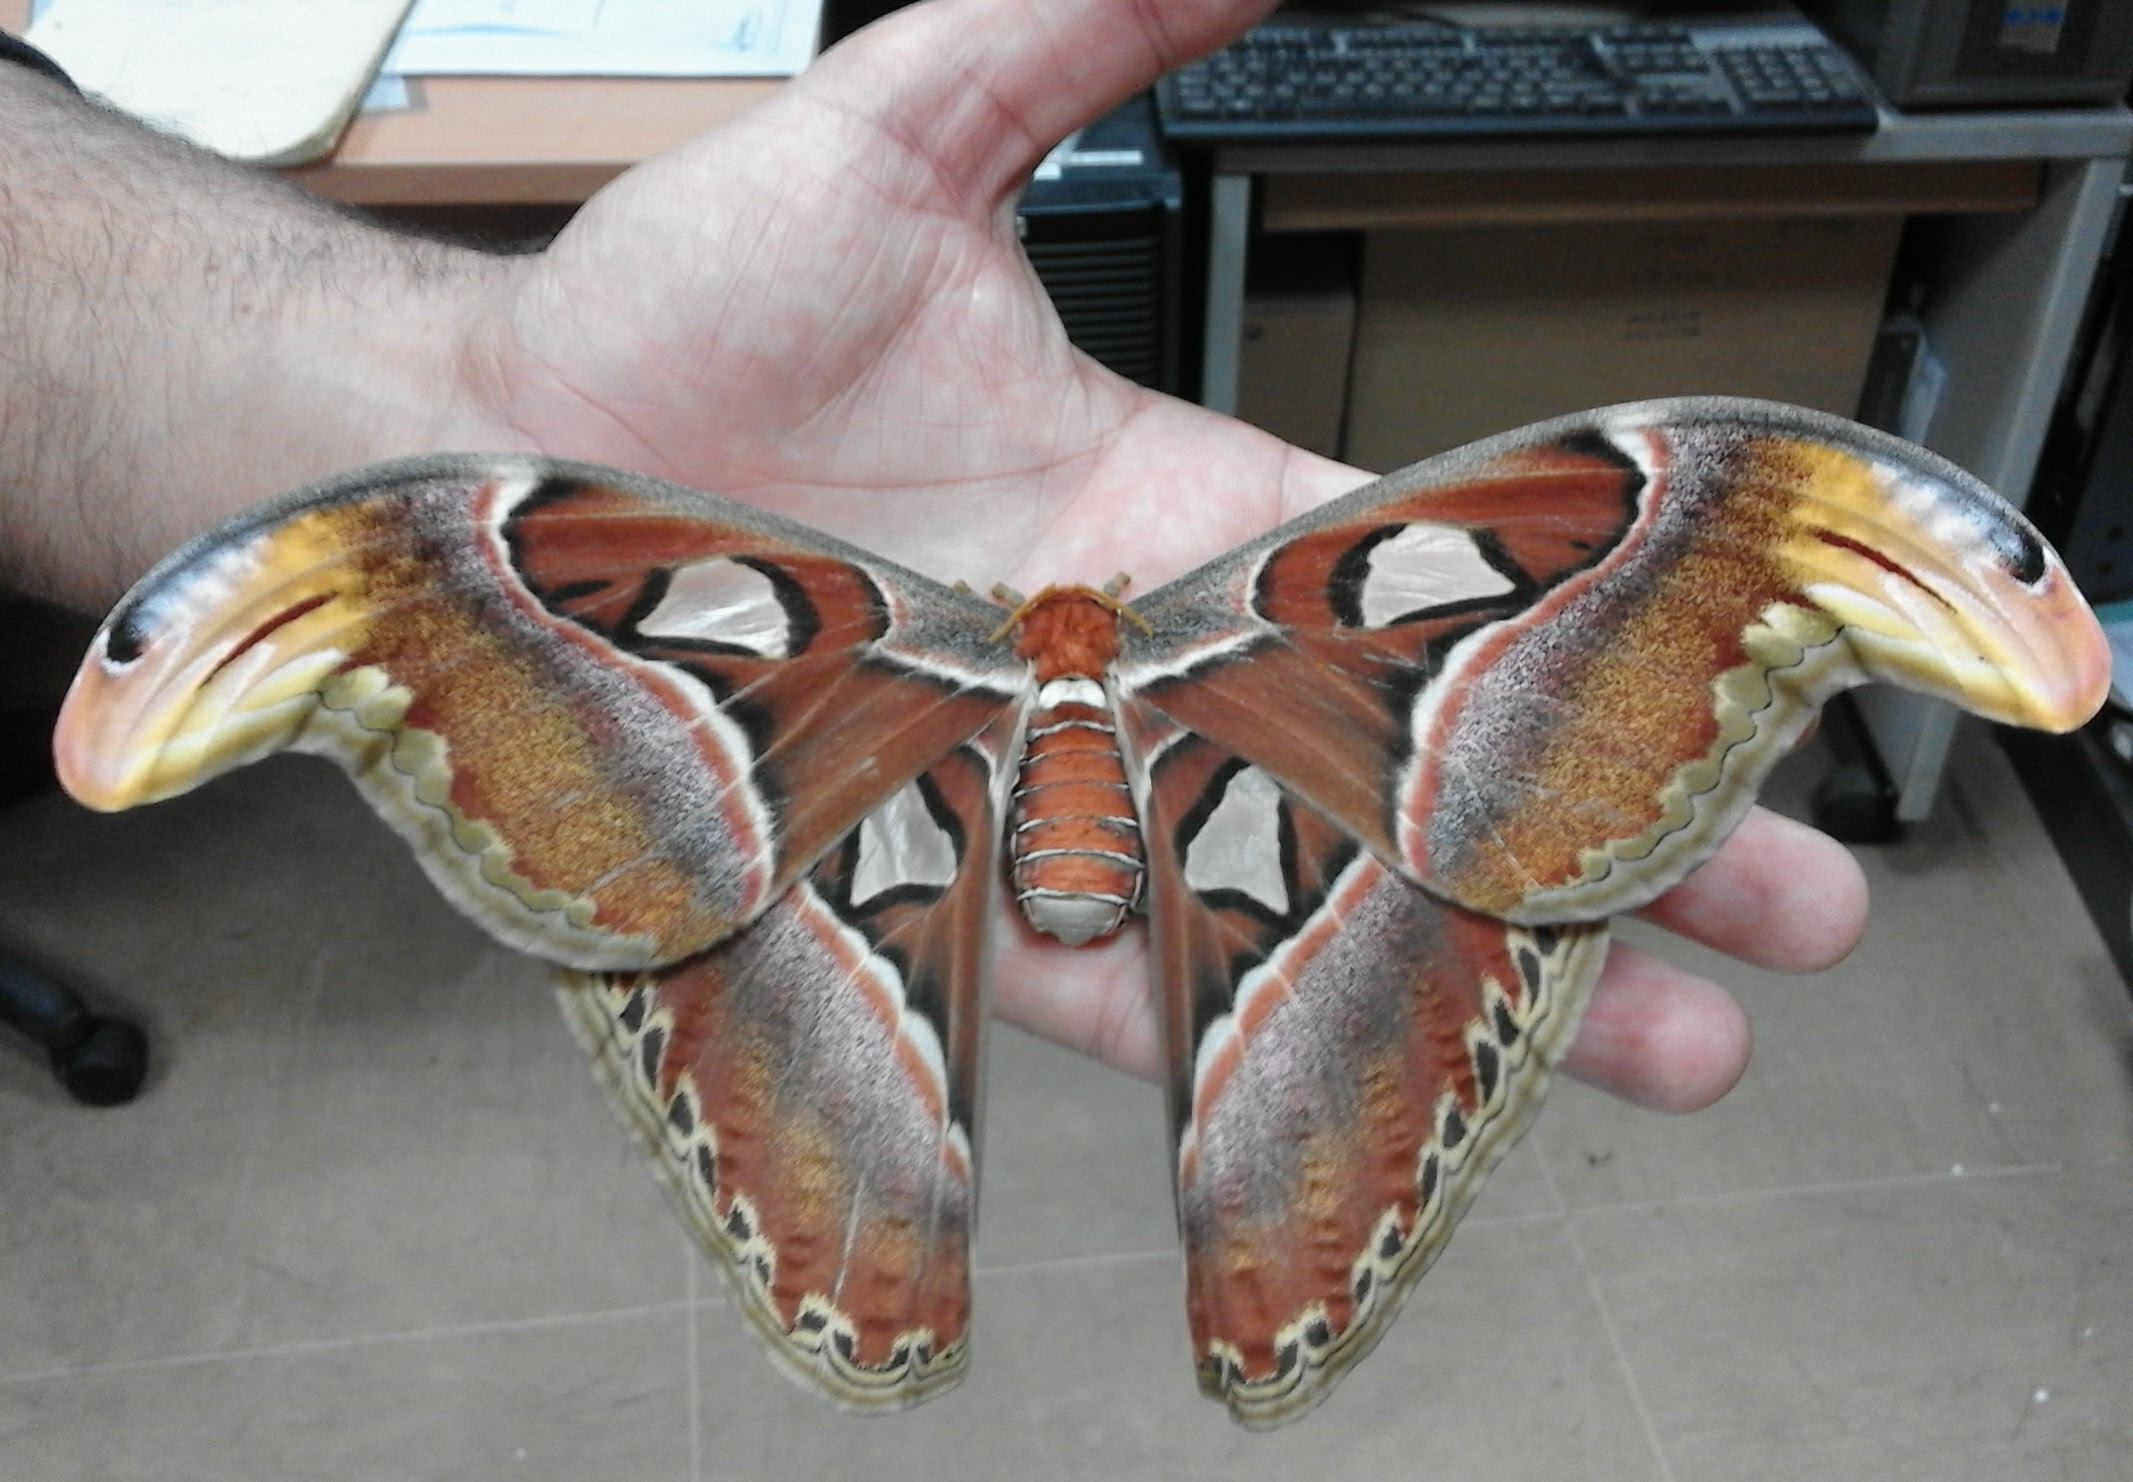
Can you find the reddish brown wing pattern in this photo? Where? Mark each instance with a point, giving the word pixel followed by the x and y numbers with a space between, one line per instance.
pixel 808 1089
pixel 614 717
pixel 1349 1057
pixel 1545 674
pixel 832 665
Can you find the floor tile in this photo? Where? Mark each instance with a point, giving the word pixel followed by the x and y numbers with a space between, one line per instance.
pixel 1939 1330
pixel 1990 977
pixel 1498 1367
pixel 557 1403
pixel 1979 1026
pixel 1075 1158
pixel 364 1117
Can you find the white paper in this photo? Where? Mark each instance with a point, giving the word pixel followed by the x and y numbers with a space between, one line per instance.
pixel 388 93
pixel 607 38
pixel 268 81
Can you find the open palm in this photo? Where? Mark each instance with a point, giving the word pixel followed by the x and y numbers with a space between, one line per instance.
pixel 822 309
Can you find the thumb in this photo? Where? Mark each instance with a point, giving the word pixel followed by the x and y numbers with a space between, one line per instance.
pixel 985 87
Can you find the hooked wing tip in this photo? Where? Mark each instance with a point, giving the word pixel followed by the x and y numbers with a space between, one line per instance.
pixel 97 777
pixel 2063 695
pixel 100 746
pixel 1976 610
pixel 1938 584
pixel 165 700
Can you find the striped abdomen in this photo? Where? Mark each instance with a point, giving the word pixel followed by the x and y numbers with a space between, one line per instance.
pixel 1076 848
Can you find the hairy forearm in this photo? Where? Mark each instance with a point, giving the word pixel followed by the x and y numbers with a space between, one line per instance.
pixel 180 336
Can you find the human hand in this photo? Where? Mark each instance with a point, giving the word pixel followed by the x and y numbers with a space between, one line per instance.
pixel 822 309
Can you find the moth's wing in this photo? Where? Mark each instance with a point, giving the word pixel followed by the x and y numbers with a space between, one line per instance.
pixel 809 1089
pixel 1546 673
pixel 1349 1057
pixel 615 717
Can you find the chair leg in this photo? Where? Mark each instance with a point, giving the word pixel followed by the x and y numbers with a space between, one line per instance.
pixel 101 1061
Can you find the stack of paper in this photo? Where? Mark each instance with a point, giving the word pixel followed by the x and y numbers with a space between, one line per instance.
pixel 268 81
pixel 274 82
pixel 608 38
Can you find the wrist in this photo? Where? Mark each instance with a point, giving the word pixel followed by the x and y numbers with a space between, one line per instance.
pixel 185 336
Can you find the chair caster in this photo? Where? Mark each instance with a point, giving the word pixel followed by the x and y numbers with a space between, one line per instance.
pixel 106 1065
pixel 1855 802
pixel 1854 806
pixel 101 1061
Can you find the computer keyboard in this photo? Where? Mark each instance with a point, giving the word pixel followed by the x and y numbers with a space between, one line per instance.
pixel 1287 82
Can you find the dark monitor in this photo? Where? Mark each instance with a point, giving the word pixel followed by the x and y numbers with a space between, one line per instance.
pixel 842 17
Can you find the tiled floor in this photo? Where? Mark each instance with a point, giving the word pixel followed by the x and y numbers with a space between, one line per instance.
pixel 371 1219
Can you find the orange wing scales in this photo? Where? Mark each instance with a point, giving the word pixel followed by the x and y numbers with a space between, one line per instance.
pixel 390 635
pixel 614 718
pixel 843 1225
pixel 1304 1236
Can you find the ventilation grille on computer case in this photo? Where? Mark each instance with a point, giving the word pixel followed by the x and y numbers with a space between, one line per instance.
pixel 1103 223
pixel 1115 288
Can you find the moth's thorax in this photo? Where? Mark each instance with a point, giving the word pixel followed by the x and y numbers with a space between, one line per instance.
pixel 1067 632
pixel 1075 853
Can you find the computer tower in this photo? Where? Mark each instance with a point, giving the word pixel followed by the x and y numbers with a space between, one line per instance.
pixel 1103 224
pixel 1986 53
pixel 840 18
pixel 2082 495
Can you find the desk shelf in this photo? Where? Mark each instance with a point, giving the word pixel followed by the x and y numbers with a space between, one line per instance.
pixel 2013 211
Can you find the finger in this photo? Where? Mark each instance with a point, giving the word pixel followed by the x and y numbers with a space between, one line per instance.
pixel 985 87
pixel 1778 894
pixel 1094 999
pixel 1659 1036
pixel 1652 1034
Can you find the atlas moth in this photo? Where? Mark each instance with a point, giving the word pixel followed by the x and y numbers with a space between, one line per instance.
pixel 1377 779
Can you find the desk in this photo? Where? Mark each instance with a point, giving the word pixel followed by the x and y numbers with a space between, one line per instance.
pixel 509 140
pixel 2008 267
pixel 520 140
